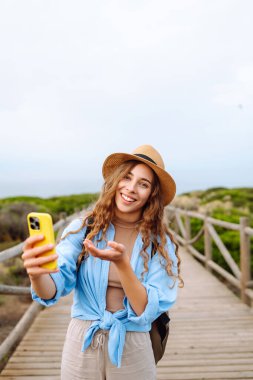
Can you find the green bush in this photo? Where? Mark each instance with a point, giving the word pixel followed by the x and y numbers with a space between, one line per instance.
pixel 13 212
pixel 230 238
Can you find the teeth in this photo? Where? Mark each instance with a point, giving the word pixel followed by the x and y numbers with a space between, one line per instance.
pixel 127 199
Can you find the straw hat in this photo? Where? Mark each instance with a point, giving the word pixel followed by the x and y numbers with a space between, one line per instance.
pixel 148 155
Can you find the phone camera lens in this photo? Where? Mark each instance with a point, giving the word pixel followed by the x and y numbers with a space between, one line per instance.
pixel 34 223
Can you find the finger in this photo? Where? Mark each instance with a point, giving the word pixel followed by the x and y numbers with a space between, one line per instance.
pixel 117 246
pixel 29 242
pixel 113 244
pixel 105 254
pixel 110 255
pixel 94 250
pixel 90 247
pixel 36 262
pixel 38 271
pixel 88 244
pixel 88 241
pixel 37 251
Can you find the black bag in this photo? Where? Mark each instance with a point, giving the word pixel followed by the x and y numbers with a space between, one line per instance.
pixel 159 334
pixel 160 326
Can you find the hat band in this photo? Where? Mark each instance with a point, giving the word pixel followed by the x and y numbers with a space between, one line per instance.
pixel 145 157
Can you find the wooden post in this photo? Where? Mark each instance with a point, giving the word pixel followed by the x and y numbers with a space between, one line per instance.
pixel 244 257
pixel 176 227
pixel 187 228
pixel 208 245
pixel 168 216
pixel 63 215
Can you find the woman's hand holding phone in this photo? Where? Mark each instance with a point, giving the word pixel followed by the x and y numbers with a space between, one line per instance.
pixel 32 256
pixel 40 257
pixel 39 249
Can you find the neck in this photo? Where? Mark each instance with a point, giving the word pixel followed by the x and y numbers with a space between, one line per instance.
pixel 128 217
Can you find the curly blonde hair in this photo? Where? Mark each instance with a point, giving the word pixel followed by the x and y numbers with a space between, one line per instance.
pixel 151 226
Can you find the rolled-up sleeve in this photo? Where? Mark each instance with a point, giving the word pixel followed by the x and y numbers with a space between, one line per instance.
pixel 161 289
pixel 68 250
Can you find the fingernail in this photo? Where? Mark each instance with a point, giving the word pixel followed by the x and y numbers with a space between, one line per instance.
pixel 50 246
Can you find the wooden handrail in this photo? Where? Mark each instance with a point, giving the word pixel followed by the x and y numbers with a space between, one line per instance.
pixel 17 290
pixel 249 231
pixel 224 251
pixel 241 277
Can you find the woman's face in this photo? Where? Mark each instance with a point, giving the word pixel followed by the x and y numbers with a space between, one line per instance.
pixel 133 191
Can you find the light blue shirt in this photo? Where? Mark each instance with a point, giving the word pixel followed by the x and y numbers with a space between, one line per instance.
pixel 90 286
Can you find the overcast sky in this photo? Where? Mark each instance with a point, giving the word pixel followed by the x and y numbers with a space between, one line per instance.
pixel 80 80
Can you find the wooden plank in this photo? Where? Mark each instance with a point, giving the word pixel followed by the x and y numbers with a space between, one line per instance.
pixel 33 377
pixel 30 372
pixel 197 362
pixel 206 369
pixel 206 376
pixel 36 365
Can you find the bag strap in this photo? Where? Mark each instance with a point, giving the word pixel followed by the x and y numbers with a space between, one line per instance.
pixel 88 230
pixel 152 250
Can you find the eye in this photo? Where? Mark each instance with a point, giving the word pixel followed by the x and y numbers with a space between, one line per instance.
pixel 144 185
pixel 126 176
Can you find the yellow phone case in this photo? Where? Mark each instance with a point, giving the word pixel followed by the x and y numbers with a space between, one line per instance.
pixel 41 223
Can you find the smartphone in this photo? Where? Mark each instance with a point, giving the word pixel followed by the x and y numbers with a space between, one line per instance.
pixel 41 224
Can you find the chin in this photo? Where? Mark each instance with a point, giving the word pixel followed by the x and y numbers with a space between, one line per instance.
pixel 125 210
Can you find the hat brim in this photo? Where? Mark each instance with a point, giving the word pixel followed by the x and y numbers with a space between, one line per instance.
pixel 167 183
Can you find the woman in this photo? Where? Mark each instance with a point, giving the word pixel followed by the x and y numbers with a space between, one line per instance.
pixel 119 288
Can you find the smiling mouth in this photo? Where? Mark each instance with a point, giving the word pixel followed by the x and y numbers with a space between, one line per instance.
pixel 126 198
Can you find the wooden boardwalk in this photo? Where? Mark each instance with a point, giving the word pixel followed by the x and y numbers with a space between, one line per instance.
pixel 211 335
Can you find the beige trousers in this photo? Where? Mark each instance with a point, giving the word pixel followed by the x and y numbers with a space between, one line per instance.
pixel 94 363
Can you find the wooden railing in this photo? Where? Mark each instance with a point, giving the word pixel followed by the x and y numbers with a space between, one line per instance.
pixel 241 275
pixel 20 329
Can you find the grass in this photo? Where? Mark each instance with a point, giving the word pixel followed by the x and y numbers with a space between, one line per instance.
pixel 13 212
pixel 54 205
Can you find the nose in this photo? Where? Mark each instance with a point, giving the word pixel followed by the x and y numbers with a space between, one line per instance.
pixel 131 186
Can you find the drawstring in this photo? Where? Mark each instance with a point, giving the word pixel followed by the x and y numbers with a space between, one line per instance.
pixel 99 339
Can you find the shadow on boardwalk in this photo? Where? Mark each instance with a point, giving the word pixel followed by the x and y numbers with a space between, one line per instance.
pixel 211 335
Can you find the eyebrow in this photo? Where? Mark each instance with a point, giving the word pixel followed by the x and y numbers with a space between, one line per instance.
pixel 142 179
